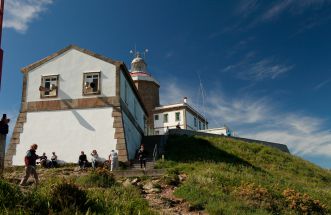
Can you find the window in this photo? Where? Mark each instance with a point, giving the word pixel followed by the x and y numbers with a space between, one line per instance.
pixel 203 126
pixel 91 83
pixel 165 118
pixel 177 118
pixel 157 132
pixel 156 117
pixel 49 86
pixel 199 125
pixel 195 122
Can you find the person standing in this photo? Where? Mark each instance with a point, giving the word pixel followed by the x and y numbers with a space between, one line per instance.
pixel 113 157
pixel 30 165
pixel 4 128
pixel 142 157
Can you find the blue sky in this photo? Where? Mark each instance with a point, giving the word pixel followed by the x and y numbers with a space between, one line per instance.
pixel 265 66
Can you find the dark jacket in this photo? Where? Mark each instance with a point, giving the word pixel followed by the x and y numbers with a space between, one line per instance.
pixel 82 158
pixel 142 154
pixel 30 158
pixel 3 128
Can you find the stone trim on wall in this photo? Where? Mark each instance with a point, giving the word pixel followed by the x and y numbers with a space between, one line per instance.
pixel 18 129
pixel 67 104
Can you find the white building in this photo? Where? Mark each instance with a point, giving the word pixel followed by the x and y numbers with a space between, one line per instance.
pixel 180 115
pixel 76 100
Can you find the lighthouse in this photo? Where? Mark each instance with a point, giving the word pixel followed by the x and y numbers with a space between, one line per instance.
pixel 147 86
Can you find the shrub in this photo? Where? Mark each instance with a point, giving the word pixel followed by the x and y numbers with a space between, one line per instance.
pixel 34 203
pixel 9 195
pixel 258 197
pixel 99 178
pixel 303 204
pixel 68 197
pixel 172 177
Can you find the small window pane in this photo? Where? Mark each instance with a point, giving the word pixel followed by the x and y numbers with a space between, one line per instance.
pixel 91 84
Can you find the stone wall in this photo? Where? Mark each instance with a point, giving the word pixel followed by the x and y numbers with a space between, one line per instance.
pixel 279 146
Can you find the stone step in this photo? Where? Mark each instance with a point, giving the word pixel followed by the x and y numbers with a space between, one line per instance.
pixel 137 173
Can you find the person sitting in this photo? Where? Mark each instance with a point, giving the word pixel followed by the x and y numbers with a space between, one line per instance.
pixel 54 160
pixel 82 160
pixel 95 158
pixel 43 161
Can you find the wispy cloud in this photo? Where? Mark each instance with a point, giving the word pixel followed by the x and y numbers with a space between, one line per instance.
pixel 250 69
pixel 20 13
pixel 322 84
pixel 293 6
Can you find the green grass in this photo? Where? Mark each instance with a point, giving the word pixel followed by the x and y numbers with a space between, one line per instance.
pixel 94 193
pixel 232 177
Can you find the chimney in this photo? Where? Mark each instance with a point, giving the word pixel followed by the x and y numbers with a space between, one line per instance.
pixel 185 99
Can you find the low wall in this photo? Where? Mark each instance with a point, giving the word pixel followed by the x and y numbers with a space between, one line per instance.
pixel 279 146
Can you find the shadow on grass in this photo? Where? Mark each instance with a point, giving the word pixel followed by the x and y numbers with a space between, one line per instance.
pixel 191 149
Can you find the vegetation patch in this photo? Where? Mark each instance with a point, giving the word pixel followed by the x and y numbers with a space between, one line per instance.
pixel 99 178
pixel 226 176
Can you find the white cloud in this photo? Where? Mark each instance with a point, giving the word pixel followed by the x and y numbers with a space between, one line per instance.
pixel 20 13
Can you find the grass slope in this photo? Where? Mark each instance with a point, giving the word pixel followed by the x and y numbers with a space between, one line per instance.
pixel 228 176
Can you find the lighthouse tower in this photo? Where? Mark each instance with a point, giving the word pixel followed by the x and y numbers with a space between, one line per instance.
pixel 147 86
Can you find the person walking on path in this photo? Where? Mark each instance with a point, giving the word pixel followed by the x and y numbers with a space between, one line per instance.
pixel 142 157
pixel 4 128
pixel 30 165
pixel 113 157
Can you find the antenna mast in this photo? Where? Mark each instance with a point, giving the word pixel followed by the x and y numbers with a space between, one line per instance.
pixel 2 4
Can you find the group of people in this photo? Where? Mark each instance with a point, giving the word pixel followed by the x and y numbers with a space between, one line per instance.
pixel 97 161
pixel 44 162
pixel 31 158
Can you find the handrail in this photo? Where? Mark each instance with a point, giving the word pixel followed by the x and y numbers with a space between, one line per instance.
pixel 155 152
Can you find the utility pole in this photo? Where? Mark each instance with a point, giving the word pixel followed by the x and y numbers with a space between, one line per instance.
pixel 2 5
pixel 2 136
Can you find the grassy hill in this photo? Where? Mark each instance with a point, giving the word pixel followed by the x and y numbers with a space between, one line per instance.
pixel 231 177
pixel 204 176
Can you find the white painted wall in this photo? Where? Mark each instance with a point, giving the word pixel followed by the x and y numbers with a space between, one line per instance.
pixel 132 136
pixel 161 126
pixel 67 132
pixel 132 101
pixel 219 131
pixel 70 67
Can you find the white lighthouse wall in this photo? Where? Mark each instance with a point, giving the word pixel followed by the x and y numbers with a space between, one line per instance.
pixel 67 132
pixel 161 127
pixel 70 67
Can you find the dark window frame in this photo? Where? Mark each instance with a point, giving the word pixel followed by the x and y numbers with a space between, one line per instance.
pixel 98 91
